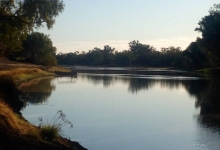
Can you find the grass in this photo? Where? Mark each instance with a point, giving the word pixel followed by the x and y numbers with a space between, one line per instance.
pixel 13 125
pixel 49 132
pixel 13 122
pixel 24 74
pixel 205 71
pixel 53 129
pixel 53 69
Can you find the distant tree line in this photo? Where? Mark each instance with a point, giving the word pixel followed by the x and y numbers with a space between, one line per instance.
pixel 204 52
pixel 18 41
pixel 138 54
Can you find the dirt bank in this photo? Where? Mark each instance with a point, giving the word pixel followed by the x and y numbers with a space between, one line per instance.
pixel 15 132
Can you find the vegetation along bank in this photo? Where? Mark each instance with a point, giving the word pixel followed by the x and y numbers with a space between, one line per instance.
pixel 15 131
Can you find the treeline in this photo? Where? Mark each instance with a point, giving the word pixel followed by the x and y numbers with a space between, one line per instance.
pixel 18 41
pixel 138 54
pixel 194 56
pixel 204 52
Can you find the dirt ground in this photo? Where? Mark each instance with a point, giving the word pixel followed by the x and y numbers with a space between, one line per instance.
pixel 11 140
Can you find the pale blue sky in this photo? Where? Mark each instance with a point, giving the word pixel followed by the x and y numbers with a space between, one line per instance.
pixel 85 24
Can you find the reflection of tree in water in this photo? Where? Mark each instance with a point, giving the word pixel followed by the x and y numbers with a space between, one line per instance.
pixel 207 94
pixel 208 99
pixel 206 91
pixel 137 84
pixel 106 80
pixel 36 91
pixel 210 104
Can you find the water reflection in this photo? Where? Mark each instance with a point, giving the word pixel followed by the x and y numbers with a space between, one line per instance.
pixel 205 92
pixel 36 91
pixel 208 99
pixel 143 82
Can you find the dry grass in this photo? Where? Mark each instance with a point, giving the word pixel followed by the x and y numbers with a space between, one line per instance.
pixel 53 69
pixel 24 74
pixel 13 122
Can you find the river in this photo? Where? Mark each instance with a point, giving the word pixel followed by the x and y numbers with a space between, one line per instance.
pixel 130 110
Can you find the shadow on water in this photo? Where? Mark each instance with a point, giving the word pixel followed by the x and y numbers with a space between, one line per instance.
pixel 36 91
pixel 208 99
pixel 205 90
pixel 10 93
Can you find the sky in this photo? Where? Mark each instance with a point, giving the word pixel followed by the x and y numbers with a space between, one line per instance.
pixel 86 24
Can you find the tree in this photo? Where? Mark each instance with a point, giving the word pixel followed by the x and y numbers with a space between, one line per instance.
pixel 209 26
pixel 124 58
pixel 171 56
pixel 18 17
pixel 141 51
pixel 94 56
pixel 108 56
pixel 38 49
pixel 197 53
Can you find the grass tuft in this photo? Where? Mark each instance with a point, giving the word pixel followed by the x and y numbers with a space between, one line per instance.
pixel 49 132
pixel 52 130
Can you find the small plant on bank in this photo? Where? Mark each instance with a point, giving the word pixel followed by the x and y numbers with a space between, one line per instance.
pixel 53 129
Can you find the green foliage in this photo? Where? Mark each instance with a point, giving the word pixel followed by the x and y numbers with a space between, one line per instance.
pixel 38 49
pixel 138 55
pixel 209 26
pixel 124 58
pixel 53 129
pixel 197 53
pixel 107 54
pixel 49 132
pixel 12 37
pixel 17 18
pixel 205 70
pixel 172 56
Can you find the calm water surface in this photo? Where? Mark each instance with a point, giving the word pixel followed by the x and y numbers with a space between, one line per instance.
pixel 130 111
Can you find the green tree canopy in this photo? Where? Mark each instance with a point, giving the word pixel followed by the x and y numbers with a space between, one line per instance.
pixel 18 17
pixel 209 26
pixel 38 49
pixel 197 53
pixel 142 52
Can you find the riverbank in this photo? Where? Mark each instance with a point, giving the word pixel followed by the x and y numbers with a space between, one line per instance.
pixel 15 131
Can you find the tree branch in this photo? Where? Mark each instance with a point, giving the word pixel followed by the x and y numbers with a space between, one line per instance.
pixel 5 6
pixel 14 18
